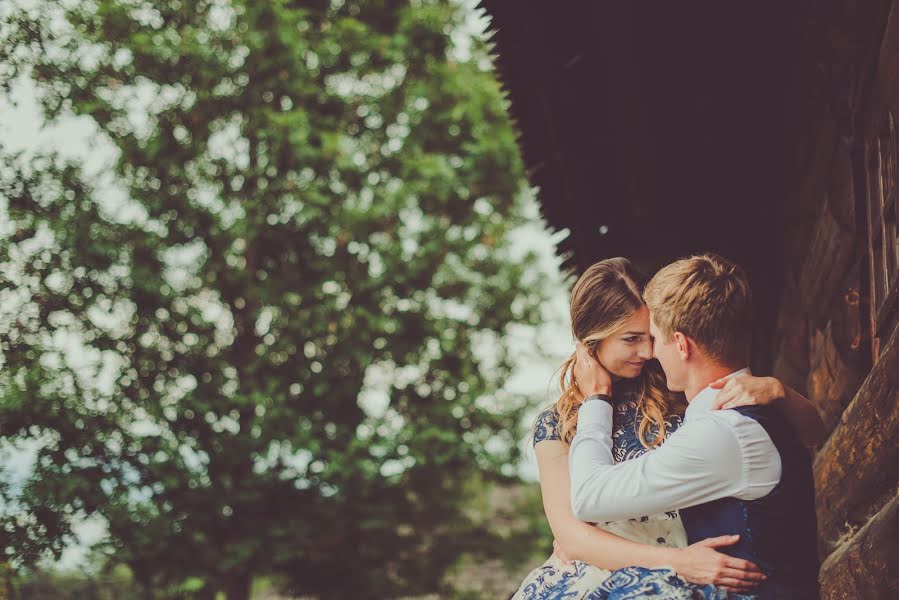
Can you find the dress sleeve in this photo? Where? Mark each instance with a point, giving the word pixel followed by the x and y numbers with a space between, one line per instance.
pixel 547 426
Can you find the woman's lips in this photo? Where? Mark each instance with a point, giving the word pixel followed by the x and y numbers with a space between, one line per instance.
pixel 637 364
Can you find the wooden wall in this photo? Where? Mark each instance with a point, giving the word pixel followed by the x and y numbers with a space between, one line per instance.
pixel 823 344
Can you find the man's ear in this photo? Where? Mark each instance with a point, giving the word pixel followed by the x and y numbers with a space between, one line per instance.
pixel 684 344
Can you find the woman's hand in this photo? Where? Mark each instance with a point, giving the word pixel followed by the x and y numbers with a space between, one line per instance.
pixel 590 377
pixel 701 563
pixel 745 390
pixel 742 390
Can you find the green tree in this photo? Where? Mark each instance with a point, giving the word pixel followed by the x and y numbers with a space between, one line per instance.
pixel 308 199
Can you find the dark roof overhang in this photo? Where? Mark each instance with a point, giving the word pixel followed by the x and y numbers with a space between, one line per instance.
pixel 653 129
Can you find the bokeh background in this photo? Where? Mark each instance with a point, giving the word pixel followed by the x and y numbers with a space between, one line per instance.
pixel 277 305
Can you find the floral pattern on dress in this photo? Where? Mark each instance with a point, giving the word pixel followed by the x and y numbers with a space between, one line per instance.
pixel 556 581
pixel 626 426
pixel 638 582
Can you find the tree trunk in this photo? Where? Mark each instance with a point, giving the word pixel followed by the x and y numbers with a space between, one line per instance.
pixel 5 581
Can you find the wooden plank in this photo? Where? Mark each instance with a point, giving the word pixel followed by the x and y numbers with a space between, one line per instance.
pixel 837 358
pixel 819 135
pixel 867 564
pixel 856 470
pixel 790 362
pixel 883 90
pixel 841 189
pixel 831 383
pixel 830 254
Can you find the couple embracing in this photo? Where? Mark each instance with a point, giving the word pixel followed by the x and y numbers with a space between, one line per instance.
pixel 667 469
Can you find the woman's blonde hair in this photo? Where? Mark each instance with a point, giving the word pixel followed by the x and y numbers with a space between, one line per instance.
pixel 602 300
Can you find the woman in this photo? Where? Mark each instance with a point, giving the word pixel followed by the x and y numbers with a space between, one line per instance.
pixel 609 317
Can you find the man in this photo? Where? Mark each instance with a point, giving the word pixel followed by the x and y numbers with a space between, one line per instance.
pixel 739 471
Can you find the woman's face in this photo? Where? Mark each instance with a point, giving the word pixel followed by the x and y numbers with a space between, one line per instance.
pixel 624 352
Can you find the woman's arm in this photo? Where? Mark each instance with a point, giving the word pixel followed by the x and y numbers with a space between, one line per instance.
pixel 698 563
pixel 743 390
pixel 803 415
pixel 579 540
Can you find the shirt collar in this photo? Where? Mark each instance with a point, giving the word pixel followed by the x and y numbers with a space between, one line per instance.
pixel 704 399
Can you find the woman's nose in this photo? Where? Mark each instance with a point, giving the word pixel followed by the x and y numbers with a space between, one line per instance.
pixel 645 351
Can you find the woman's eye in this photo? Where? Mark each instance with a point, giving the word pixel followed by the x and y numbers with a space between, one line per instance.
pixel 631 339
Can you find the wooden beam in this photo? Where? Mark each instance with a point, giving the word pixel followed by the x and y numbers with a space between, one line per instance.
pixel 866 565
pixel 855 471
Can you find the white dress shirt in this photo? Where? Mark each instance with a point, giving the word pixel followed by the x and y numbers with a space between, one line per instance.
pixel 713 454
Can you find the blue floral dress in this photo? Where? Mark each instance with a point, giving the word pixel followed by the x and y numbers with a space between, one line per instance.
pixel 554 580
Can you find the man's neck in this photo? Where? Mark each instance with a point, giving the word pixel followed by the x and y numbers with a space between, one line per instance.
pixel 702 376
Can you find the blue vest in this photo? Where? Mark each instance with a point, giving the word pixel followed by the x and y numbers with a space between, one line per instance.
pixel 778 532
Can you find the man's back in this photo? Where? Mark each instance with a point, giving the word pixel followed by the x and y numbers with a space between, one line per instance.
pixel 778 530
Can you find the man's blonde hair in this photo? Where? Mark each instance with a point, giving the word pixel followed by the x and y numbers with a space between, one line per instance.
pixel 707 298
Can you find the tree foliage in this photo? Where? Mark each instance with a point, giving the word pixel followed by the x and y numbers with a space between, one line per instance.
pixel 267 339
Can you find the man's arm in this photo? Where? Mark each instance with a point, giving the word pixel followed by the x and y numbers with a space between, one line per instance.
pixel 700 462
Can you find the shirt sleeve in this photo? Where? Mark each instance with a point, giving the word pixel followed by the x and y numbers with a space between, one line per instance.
pixel 547 426
pixel 702 461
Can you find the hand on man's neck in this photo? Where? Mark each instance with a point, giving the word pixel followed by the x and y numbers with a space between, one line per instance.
pixel 704 374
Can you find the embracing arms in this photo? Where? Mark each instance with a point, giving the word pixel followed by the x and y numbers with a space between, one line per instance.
pixel 714 455
pixel 698 563
pixel 580 540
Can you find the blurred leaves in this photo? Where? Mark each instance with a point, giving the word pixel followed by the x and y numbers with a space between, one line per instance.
pixel 273 344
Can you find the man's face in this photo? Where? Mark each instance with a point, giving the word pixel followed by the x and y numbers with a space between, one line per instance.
pixel 669 357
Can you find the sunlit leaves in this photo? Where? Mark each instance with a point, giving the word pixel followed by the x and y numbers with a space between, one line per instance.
pixel 291 347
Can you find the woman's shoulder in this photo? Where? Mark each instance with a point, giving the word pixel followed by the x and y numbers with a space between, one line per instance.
pixel 547 426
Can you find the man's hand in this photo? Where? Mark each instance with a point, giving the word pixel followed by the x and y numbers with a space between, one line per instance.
pixel 590 377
